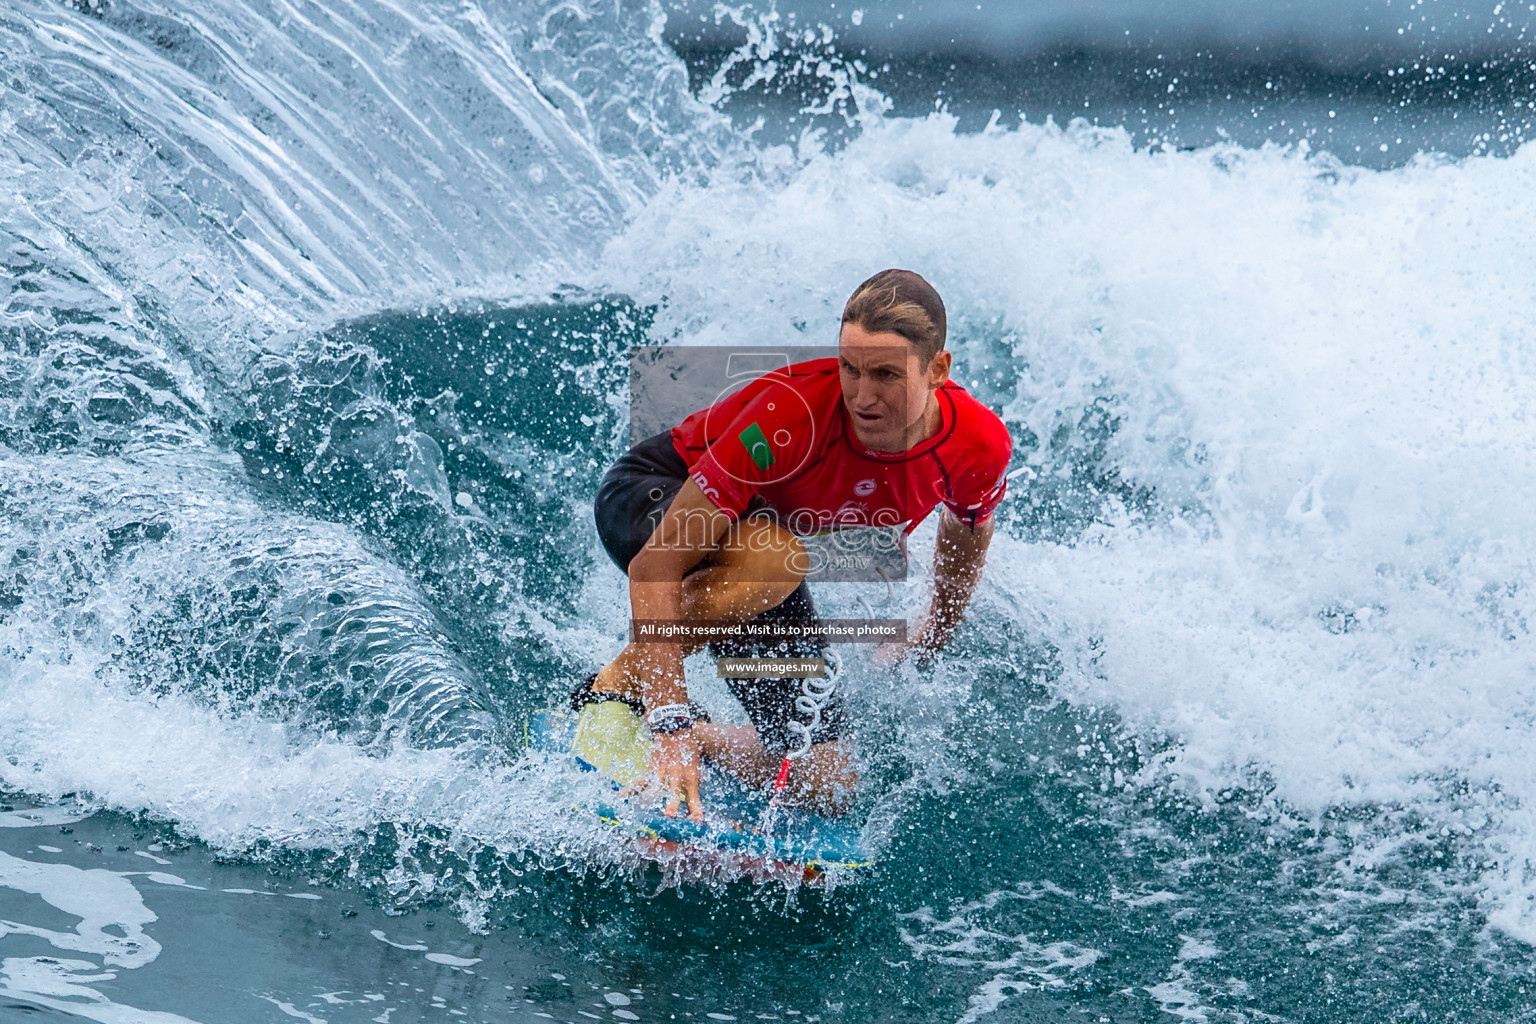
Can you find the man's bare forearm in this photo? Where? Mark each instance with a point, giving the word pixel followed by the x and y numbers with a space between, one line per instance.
pixel 656 588
pixel 661 664
pixel 946 612
pixel 958 560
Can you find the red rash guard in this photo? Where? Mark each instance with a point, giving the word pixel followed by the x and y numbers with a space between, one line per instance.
pixel 788 438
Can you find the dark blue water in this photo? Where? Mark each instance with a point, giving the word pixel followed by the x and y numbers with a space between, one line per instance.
pixel 313 347
pixel 1374 84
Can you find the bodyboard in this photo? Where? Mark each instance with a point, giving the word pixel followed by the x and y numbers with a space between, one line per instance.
pixel 611 740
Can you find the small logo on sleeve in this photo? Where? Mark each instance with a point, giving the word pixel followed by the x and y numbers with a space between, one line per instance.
pixel 757 446
pixel 704 485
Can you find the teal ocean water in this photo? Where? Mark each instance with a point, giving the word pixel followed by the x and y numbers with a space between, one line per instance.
pixel 314 327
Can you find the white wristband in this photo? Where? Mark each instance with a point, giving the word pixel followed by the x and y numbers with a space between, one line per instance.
pixel 667 711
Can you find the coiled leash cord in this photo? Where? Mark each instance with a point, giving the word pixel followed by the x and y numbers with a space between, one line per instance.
pixel 815 695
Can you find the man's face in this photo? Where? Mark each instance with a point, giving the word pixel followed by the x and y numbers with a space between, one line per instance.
pixel 885 386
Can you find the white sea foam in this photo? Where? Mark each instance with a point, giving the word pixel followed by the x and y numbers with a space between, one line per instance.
pixel 970 937
pixel 235 782
pixel 1322 373
pixel 1179 994
pixel 101 900
pixel 60 984
pixel 226 195
pixel 449 960
pixel 35 816
pixel 292 1011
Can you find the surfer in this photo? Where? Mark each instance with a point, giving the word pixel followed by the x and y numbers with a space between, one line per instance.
pixel 706 521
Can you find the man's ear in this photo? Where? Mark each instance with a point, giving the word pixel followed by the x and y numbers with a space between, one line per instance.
pixel 938 368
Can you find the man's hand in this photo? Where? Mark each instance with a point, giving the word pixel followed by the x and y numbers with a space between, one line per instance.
pixel 921 650
pixel 888 655
pixel 675 760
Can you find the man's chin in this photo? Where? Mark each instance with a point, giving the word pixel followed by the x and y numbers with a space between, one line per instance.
pixel 874 438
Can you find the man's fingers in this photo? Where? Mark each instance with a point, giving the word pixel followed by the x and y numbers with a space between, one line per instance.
pixel 677 774
pixel 673 788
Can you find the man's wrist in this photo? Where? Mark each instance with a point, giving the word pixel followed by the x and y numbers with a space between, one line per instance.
pixel 931 637
pixel 930 640
pixel 666 719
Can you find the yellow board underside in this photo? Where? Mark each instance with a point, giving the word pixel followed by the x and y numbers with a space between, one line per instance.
pixel 613 739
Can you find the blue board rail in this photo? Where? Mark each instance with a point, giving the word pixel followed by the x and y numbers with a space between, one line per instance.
pixel 804 847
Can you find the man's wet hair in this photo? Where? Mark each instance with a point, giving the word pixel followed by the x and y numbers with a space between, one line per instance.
pixel 900 302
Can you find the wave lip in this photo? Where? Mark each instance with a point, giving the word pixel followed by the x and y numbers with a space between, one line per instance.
pixel 259 161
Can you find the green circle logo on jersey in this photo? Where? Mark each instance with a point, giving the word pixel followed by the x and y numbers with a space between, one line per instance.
pixel 757 446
